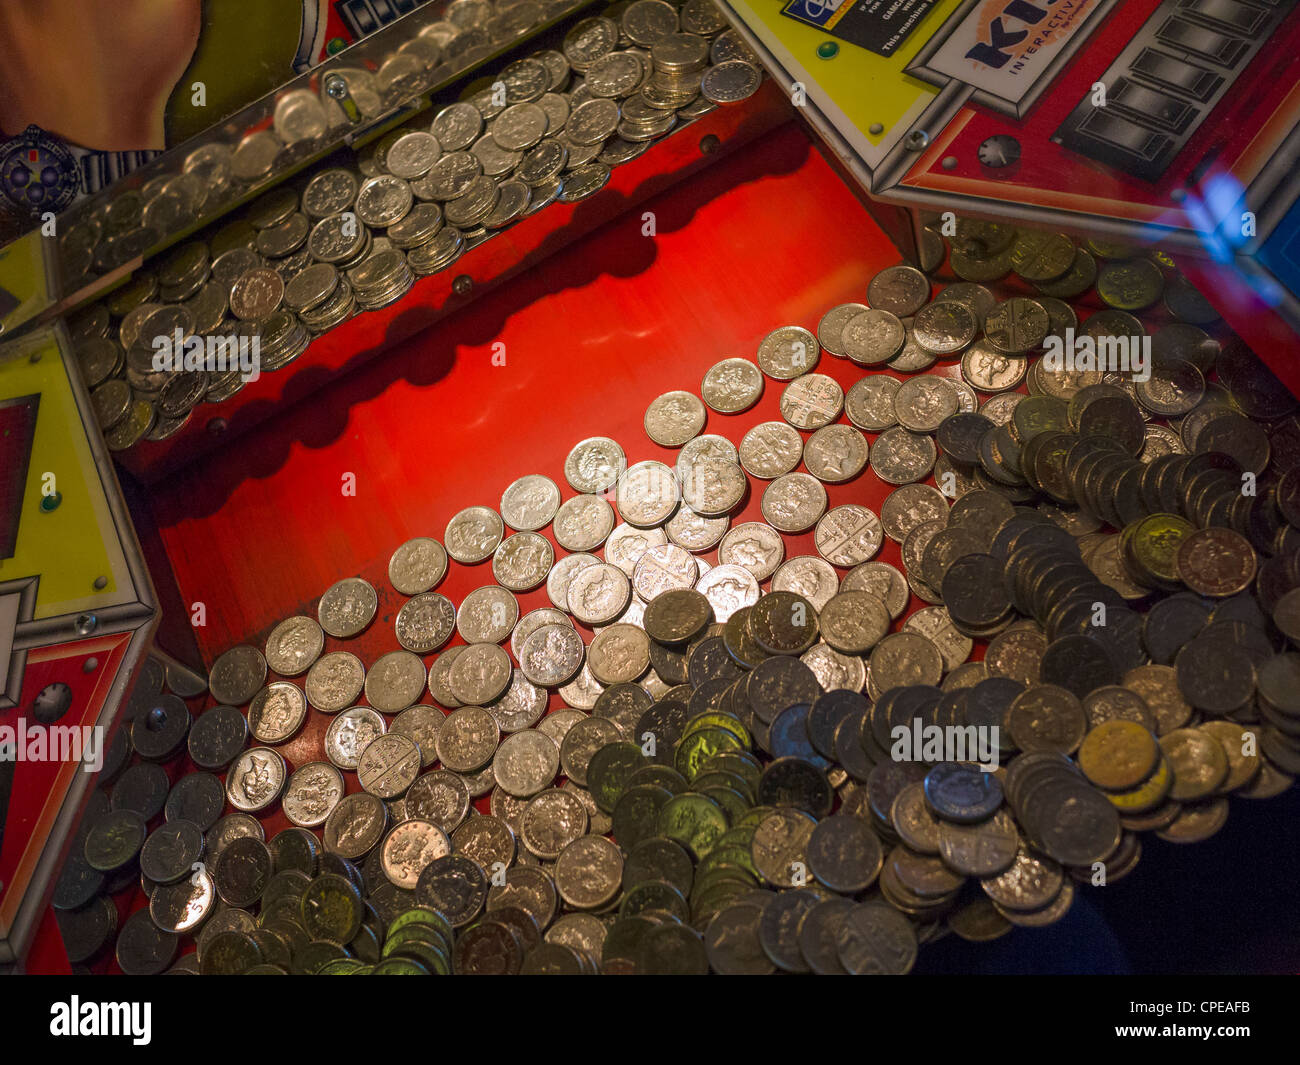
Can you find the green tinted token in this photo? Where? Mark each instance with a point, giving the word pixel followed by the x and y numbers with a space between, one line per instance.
pixel 742 763
pixel 672 950
pixel 609 770
pixel 400 967
pixel 650 896
pixel 417 933
pixel 662 776
pixel 659 859
pixel 421 915
pixel 266 969
pixel 331 908
pixel 341 967
pixel 636 814
pixel 753 818
pixel 730 854
pixel 229 954
pixel 431 956
pixel 693 820
pixel 717 719
pixel 733 804
pixel 700 746
pixel 114 840
pixel 714 778
pixel 624 937
pixel 309 958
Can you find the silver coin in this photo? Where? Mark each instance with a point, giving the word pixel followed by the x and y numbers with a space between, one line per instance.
pixel 395 681
pixel 770 450
pixel 350 732
pixel 869 403
pixel 807 575
pixel 522 561
pixel 439 686
pixel 334 681
pixel 383 200
pixel 421 723
pixel 522 705
pixel 830 330
pixel 581 692
pixel 312 793
pixel 237 675
pixel 413 154
pixel 356 825
pixel 347 607
pixel 793 502
pixel 900 457
pixel 468 739
pixel 812 401
pixel 619 654
pixel 836 453
pixel 909 506
pixel 256 779
pixel 873 336
pixel 922 403
pixel 552 655
pixel 901 290
pixel 648 494
pixel 834 669
pixel 530 502
pixel 730 81
pixel 626 544
pixel 480 674
pixel 277 712
pixel 595 464
pixel 457 125
pixel 881 580
pixel 388 765
pixel 732 385
pixel 583 522
pixel 694 531
pixel 441 797
pixel 417 566
pixel 425 623
pixel 788 352
pixel 935 625
pixel 557 582
pixel 525 763
pixel 409 848
pixel 662 569
pixel 487 615
pixel 473 534
pixel 754 545
pixel 531 622
pixel 728 587
pixel 713 488
pixel 849 535
pixel 598 594
pixel 674 418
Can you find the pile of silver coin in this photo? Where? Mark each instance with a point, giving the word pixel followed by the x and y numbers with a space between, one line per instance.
pixel 216 175
pixel 304 259
pixel 731 724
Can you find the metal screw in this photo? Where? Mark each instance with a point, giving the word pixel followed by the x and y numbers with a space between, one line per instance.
pixel 217 426
pixel 86 624
pixel 710 144
pixel 463 285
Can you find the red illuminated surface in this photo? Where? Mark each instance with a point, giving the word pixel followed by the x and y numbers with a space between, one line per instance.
pixel 767 237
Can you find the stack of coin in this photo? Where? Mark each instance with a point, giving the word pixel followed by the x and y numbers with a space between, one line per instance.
pixel 381 279
pixel 679 62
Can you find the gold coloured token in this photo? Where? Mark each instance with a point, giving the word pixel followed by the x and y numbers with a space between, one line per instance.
pixel 1131 285
pixel 1118 755
pixel 1147 795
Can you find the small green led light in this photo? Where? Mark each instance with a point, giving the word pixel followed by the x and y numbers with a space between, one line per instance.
pixel 51 502
pixel 828 50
